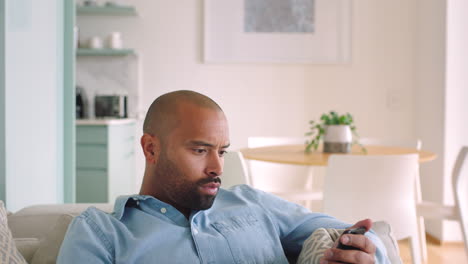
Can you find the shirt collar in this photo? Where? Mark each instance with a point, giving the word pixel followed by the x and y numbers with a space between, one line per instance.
pixel 151 205
pixel 128 201
pixel 156 205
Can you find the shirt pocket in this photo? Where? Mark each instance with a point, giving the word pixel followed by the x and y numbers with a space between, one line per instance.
pixel 250 241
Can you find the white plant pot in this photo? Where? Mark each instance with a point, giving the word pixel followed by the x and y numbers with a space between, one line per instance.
pixel 337 139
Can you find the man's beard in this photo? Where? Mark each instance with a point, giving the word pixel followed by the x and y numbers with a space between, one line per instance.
pixel 181 191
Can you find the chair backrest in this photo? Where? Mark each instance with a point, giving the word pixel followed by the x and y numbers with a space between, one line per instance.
pixel 376 187
pixel 397 142
pixel 274 177
pixel 235 170
pixel 256 142
pixel 460 190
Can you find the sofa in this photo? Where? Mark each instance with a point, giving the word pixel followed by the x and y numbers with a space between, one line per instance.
pixel 38 231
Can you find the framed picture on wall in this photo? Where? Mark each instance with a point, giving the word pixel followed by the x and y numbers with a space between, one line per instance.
pixel 277 31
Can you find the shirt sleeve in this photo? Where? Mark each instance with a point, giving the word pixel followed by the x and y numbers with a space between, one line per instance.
pixel 296 223
pixel 84 242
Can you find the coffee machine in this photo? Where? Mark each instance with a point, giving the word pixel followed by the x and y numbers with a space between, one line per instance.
pixel 81 103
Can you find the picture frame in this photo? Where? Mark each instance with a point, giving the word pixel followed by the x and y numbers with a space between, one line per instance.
pixel 226 40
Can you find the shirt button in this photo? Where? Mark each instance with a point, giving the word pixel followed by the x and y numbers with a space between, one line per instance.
pixel 163 210
pixel 195 231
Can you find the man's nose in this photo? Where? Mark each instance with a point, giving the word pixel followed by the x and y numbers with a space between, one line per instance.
pixel 215 165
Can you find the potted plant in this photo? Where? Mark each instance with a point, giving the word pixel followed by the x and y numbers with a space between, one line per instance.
pixel 336 131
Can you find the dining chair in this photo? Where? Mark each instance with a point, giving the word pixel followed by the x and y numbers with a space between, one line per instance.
pixel 407 142
pixel 235 170
pixel 397 142
pixel 377 187
pixel 291 182
pixel 458 211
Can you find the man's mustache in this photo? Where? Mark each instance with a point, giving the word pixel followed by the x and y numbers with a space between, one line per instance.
pixel 210 180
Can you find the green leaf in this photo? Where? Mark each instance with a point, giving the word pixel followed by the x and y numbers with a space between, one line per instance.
pixel 325 118
pixel 343 120
pixel 335 118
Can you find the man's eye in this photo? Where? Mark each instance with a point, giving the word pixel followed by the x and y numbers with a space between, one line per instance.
pixel 222 153
pixel 199 151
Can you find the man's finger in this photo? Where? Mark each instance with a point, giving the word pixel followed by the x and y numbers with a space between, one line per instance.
pixel 335 255
pixel 358 241
pixel 367 223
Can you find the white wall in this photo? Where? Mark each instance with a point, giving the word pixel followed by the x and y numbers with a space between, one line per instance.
pixel 456 127
pixel 430 102
pixel 33 109
pixel 377 87
pixel 2 102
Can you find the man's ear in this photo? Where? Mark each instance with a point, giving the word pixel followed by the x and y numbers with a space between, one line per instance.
pixel 151 146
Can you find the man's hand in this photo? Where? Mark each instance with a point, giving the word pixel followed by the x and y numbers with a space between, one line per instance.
pixel 363 256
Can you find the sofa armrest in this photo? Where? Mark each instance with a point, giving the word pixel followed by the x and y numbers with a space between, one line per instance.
pixel 384 231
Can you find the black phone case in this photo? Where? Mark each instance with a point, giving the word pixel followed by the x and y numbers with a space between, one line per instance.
pixel 354 231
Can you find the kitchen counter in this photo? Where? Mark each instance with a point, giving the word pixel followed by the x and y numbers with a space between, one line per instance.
pixel 105 121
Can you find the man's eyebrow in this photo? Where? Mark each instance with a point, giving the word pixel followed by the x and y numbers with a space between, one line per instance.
pixel 226 146
pixel 204 144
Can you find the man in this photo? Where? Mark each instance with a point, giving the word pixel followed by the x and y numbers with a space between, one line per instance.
pixel 182 216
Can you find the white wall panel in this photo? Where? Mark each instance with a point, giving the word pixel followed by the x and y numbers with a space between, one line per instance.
pixel 33 102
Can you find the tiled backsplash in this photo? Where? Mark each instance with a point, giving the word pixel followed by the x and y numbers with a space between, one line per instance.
pixel 109 75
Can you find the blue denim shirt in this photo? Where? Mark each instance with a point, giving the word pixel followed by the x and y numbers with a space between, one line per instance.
pixel 244 225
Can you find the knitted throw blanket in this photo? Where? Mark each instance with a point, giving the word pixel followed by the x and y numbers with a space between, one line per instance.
pixel 314 247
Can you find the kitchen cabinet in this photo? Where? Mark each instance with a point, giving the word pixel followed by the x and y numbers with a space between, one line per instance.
pixel 105 159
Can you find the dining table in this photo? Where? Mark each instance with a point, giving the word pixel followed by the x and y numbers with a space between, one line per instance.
pixel 296 154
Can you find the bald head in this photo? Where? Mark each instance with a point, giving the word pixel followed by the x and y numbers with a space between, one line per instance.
pixel 162 114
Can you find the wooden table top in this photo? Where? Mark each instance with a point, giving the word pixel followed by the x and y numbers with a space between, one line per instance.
pixel 295 154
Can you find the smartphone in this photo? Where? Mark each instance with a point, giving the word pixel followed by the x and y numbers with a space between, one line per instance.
pixel 354 231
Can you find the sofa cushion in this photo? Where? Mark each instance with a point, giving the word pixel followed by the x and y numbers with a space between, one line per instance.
pixel 27 247
pixel 49 245
pixel 8 251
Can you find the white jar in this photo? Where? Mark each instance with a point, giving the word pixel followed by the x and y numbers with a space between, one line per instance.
pixel 114 40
